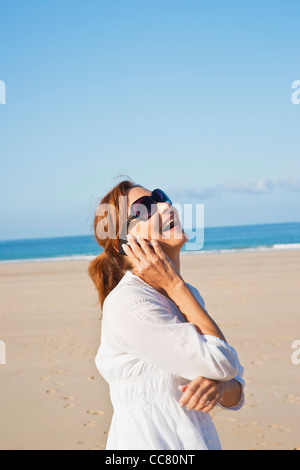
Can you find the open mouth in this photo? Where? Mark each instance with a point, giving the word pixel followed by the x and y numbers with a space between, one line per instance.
pixel 170 223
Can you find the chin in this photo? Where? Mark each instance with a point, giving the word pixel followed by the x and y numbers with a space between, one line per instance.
pixel 175 241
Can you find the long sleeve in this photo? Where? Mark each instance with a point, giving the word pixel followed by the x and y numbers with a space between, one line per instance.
pixel 239 377
pixel 142 325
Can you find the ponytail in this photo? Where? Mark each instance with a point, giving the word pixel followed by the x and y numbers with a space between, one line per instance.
pixel 106 273
pixel 108 268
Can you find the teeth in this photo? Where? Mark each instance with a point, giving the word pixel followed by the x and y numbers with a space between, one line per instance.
pixel 168 225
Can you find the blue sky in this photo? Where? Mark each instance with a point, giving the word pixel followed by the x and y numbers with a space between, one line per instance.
pixel 193 97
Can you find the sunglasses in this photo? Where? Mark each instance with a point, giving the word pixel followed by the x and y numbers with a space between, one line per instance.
pixel 144 207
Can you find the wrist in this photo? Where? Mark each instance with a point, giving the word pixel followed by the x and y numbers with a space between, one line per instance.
pixel 231 392
pixel 176 287
pixel 223 392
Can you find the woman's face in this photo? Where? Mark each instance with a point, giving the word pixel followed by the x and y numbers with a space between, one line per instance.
pixel 159 226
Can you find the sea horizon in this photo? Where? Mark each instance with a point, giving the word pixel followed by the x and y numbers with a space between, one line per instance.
pixel 222 239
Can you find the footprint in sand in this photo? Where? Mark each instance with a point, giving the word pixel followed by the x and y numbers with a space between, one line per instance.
pixel 51 391
pixel 90 423
pixel 68 398
pixel 96 413
pixel 292 399
pixel 69 406
pixel 58 384
pixel 279 427
pixel 276 387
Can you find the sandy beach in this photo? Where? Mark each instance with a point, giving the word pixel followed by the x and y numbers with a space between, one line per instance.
pixel 52 396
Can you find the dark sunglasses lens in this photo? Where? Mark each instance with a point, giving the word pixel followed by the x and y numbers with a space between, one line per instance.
pixel 160 196
pixel 142 209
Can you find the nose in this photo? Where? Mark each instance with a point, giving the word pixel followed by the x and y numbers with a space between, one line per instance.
pixel 163 207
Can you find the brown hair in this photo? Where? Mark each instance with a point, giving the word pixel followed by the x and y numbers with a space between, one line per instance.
pixel 107 269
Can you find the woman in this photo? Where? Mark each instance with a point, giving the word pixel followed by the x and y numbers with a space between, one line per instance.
pixel 166 361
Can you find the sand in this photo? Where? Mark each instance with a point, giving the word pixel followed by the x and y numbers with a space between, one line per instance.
pixel 52 396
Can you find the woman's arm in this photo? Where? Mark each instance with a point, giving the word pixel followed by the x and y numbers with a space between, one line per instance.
pixel 231 393
pixel 192 310
pixel 215 359
pixel 203 394
pixel 156 268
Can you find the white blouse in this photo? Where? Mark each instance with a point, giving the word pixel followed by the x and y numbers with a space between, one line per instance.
pixel 147 350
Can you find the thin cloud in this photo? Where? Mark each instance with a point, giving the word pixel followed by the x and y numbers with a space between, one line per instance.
pixel 261 186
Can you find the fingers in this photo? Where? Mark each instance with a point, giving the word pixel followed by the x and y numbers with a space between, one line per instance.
pixel 135 248
pixel 210 405
pixel 199 398
pixel 158 249
pixel 140 248
pixel 200 395
pixel 145 246
pixel 191 389
pixel 207 402
pixel 130 253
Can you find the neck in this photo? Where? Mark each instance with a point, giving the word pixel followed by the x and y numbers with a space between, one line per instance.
pixel 174 254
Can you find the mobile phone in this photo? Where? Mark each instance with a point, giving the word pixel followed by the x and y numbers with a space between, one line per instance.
pixel 124 242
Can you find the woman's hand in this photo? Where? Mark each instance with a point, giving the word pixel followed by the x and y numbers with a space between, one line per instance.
pixel 201 394
pixel 152 264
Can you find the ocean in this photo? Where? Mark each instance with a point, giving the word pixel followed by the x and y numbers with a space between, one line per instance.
pixel 284 236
